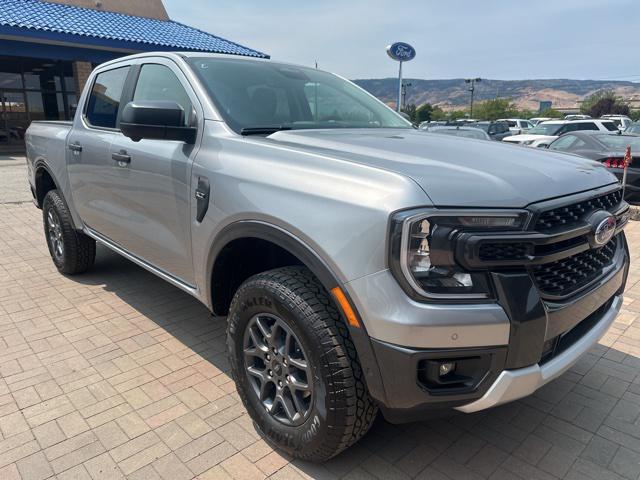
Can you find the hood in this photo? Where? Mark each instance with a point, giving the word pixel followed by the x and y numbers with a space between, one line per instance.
pixel 455 171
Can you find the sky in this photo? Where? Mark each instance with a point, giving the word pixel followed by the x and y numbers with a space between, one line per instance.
pixel 499 39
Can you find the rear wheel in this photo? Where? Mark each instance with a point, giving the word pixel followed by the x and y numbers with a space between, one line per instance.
pixel 71 251
pixel 295 365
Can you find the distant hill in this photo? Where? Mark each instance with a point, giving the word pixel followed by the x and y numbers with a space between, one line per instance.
pixel 453 93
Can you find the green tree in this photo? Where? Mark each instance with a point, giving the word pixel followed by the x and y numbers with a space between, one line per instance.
pixel 604 102
pixel 410 110
pixel 525 113
pixel 551 113
pixel 494 109
pixel 634 115
pixel 424 112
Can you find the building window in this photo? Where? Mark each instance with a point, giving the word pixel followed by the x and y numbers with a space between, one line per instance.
pixel 33 89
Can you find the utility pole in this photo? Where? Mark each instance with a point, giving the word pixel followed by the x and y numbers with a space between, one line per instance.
pixel 472 86
pixel 404 92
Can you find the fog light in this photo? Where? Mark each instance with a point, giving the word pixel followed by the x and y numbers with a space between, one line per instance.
pixel 446 368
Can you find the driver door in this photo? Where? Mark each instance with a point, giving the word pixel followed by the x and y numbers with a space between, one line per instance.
pixel 152 179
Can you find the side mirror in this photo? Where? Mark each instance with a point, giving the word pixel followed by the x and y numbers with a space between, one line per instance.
pixel 157 120
pixel 543 145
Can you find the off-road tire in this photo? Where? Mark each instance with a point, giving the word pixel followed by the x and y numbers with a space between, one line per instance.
pixel 342 410
pixel 79 250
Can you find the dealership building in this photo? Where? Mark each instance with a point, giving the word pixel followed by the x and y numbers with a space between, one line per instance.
pixel 48 49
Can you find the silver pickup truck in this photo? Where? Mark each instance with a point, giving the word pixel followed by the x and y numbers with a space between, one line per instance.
pixel 363 265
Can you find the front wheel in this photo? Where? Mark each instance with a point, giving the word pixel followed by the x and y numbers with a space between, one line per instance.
pixel 71 251
pixel 295 366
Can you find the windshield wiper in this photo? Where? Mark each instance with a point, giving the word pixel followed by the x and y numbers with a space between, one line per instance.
pixel 266 130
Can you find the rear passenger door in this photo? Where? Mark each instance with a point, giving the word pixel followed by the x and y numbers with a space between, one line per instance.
pixel 152 185
pixel 89 163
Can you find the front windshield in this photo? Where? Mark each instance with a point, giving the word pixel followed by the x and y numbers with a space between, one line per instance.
pixel 633 128
pixel 620 142
pixel 545 129
pixel 261 95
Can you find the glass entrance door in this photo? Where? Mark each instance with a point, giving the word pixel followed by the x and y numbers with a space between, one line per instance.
pixel 13 119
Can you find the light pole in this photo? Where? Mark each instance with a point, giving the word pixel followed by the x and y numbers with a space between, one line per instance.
pixel 404 92
pixel 472 86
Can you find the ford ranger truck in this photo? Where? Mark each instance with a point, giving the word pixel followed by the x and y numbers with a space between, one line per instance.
pixel 363 266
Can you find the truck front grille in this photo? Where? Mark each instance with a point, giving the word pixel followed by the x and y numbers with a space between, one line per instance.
pixel 571 214
pixel 566 276
pixel 504 251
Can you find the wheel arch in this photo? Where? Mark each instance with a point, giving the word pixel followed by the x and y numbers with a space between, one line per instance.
pixel 267 235
pixel 44 182
pixel 302 254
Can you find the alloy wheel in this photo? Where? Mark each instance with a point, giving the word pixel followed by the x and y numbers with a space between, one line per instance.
pixel 54 229
pixel 278 370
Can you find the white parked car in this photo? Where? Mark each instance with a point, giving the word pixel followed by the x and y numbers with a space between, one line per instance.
pixel 577 117
pixel 537 120
pixel 621 121
pixel 546 132
pixel 517 125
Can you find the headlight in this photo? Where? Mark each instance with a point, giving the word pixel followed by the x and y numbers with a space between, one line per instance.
pixel 422 251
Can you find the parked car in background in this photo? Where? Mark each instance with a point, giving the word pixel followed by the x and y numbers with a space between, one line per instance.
pixel 496 130
pixel 633 129
pixel 546 132
pixel 458 131
pixel 577 117
pixel 609 150
pixel 517 125
pixel 430 123
pixel 621 121
pixel 537 120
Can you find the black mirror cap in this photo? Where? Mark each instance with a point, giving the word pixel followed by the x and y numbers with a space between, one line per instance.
pixel 159 120
pixel 156 112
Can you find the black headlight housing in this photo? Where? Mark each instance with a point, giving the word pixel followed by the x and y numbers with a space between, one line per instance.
pixel 422 246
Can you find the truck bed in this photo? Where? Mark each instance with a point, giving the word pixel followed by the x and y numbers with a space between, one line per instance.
pixel 47 141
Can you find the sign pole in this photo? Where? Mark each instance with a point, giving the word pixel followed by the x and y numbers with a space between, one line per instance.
pixel 400 87
pixel 400 52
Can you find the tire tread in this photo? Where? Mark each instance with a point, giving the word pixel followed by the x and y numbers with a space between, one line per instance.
pixel 353 410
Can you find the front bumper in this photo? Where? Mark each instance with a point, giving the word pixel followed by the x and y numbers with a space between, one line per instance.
pixel 507 338
pixel 514 384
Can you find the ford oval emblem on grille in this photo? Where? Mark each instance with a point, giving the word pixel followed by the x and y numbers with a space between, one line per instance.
pixel 604 230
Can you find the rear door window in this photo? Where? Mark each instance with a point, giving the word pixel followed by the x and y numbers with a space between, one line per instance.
pixel 587 126
pixel 104 100
pixel 563 143
pixel 610 126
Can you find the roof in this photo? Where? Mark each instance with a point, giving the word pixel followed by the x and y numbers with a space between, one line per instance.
pixel 37 18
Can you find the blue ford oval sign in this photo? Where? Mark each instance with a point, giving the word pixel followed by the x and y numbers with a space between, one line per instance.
pixel 402 52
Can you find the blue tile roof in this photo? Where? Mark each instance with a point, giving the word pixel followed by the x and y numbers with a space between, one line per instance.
pixel 109 29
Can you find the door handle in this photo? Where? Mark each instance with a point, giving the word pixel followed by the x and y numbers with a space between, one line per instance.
pixel 75 147
pixel 122 157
